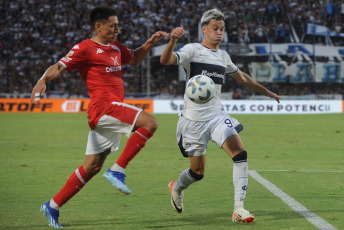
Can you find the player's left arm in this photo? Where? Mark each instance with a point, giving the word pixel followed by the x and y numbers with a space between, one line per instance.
pixel 141 52
pixel 244 79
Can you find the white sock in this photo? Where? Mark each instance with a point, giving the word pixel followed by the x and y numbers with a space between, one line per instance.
pixel 53 205
pixel 238 204
pixel 240 181
pixel 184 181
pixel 117 168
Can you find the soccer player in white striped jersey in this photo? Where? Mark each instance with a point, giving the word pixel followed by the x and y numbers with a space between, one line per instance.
pixel 199 123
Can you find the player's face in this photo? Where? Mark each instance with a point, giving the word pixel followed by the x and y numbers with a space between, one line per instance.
pixel 110 29
pixel 214 32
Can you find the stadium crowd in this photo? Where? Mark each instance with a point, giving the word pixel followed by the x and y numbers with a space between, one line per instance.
pixel 36 34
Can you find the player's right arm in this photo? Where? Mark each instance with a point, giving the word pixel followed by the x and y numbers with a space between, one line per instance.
pixel 168 57
pixel 244 79
pixel 51 73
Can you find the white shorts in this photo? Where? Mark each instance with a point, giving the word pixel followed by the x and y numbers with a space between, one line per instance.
pixel 107 133
pixel 193 136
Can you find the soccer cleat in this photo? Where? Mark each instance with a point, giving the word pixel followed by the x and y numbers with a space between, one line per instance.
pixel 51 214
pixel 117 180
pixel 176 199
pixel 242 215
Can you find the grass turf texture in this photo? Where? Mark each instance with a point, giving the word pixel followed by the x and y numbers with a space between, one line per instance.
pixel 39 152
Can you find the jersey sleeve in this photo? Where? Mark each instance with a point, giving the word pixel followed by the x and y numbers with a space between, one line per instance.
pixel 231 68
pixel 76 57
pixel 126 53
pixel 184 54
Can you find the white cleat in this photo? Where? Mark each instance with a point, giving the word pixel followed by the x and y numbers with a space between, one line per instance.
pixel 242 215
pixel 176 198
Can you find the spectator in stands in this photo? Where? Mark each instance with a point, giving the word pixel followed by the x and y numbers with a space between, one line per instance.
pixel 28 18
pixel 237 95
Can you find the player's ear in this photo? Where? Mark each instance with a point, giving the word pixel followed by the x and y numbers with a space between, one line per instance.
pixel 97 27
pixel 203 28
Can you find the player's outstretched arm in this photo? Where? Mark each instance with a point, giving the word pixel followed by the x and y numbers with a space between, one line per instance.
pixel 51 73
pixel 244 79
pixel 141 52
pixel 167 57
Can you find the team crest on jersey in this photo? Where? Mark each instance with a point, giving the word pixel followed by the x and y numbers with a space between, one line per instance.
pixel 99 51
pixel 70 53
pixel 76 47
pixel 115 62
pixel 115 48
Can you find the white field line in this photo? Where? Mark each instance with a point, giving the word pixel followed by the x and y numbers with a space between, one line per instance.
pixel 309 171
pixel 314 219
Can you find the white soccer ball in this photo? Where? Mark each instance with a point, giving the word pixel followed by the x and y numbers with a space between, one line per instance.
pixel 200 89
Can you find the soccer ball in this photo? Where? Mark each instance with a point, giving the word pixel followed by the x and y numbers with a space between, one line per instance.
pixel 200 89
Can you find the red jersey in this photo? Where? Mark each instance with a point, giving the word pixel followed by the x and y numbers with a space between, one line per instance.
pixel 101 68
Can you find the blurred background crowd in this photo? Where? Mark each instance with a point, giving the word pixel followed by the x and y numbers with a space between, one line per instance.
pixel 37 33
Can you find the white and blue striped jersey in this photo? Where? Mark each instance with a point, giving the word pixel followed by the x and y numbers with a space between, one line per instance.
pixel 197 59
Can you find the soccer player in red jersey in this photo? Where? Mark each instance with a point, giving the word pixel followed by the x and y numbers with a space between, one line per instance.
pixel 99 61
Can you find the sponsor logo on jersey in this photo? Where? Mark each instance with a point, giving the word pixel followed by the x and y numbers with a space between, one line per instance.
pixel 76 47
pixel 213 74
pixel 99 51
pixel 113 69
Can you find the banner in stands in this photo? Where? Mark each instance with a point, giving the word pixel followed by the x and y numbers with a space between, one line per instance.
pixel 261 106
pixel 301 68
pixel 176 106
pixel 320 30
pixel 60 105
pixel 294 49
pixel 298 72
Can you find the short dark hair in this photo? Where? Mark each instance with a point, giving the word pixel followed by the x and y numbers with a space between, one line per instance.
pixel 101 14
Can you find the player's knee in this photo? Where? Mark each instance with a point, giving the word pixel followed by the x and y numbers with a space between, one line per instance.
pixel 93 169
pixel 152 124
pixel 196 176
pixel 242 156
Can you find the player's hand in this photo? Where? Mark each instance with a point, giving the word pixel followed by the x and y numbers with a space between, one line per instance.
pixel 177 33
pixel 38 91
pixel 158 35
pixel 273 95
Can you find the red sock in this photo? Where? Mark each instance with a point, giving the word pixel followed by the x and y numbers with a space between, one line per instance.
pixel 74 184
pixel 135 143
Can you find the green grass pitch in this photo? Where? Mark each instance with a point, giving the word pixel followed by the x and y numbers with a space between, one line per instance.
pixel 39 151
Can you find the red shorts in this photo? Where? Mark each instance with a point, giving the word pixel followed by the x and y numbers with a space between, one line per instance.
pixel 123 112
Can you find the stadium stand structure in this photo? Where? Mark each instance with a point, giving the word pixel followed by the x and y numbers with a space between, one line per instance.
pixel 37 33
